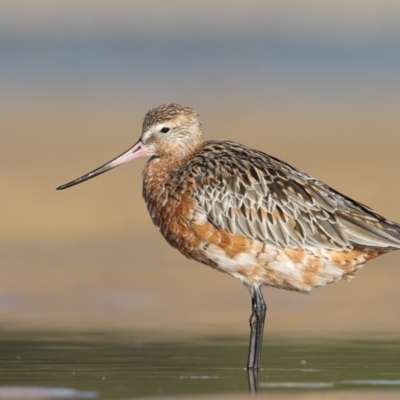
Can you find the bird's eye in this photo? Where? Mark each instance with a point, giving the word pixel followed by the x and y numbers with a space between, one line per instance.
pixel 165 129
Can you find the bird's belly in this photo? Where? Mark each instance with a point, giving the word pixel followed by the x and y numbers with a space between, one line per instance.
pixel 256 263
pixel 291 269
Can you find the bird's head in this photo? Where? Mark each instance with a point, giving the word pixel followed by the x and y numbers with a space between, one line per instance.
pixel 169 130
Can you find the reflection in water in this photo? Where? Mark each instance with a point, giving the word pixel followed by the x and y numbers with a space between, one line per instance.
pixel 253 376
pixel 96 366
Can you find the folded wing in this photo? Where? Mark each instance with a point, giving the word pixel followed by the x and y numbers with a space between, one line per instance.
pixel 247 192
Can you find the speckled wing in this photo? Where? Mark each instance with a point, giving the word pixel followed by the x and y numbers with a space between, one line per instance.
pixel 247 192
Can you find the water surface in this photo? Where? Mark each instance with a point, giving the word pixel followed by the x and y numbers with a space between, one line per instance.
pixel 100 367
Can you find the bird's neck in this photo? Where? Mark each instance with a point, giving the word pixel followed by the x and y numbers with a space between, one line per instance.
pixel 155 175
pixel 163 171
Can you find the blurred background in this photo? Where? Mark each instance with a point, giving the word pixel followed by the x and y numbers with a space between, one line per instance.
pixel 314 83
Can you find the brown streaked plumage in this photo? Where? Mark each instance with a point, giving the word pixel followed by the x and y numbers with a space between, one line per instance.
pixel 248 214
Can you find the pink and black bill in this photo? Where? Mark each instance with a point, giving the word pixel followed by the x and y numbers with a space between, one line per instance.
pixel 135 151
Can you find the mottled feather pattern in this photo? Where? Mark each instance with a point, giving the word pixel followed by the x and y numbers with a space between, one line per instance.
pixel 248 192
pixel 266 208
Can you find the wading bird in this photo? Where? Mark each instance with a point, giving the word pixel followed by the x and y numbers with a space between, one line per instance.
pixel 248 214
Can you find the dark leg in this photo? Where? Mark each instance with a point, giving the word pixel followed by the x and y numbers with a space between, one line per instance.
pixel 257 319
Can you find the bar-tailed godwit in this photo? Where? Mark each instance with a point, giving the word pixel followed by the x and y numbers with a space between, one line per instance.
pixel 248 214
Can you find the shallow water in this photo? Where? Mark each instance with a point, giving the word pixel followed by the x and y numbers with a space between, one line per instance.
pixel 99 367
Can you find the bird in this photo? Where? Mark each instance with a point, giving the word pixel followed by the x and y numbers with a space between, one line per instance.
pixel 249 214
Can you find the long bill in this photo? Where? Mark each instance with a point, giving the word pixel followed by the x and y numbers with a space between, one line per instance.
pixel 135 151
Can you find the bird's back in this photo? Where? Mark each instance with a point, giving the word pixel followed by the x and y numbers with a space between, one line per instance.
pixel 265 222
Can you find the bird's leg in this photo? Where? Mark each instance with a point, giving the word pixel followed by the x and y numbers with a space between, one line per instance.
pixel 257 319
pixel 253 333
